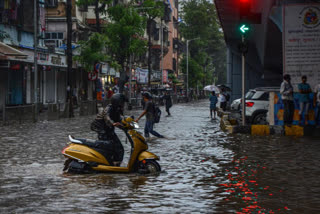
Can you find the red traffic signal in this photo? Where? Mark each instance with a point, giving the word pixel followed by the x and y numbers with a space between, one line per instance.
pixel 245 14
pixel 244 8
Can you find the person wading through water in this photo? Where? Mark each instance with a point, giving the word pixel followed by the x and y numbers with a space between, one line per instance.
pixel 168 101
pixel 149 111
pixel 104 124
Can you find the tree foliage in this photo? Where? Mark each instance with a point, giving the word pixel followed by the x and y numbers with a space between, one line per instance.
pixel 92 51
pixel 208 52
pixel 125 33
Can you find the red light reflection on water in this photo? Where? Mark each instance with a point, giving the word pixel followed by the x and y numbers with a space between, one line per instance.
pixel 243 185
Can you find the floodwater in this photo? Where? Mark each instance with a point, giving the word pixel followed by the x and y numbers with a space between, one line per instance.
pixel 203 171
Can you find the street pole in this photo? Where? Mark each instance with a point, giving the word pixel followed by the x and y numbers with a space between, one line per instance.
pixel 130 82
pixel 35 41
pixel 243 87
pixel 161 33
pixel 187 71
pixel 69 55
pixel 188 40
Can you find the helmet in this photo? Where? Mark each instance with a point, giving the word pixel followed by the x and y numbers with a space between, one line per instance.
pixel 117 100
pixel 147 95
pixel 286 77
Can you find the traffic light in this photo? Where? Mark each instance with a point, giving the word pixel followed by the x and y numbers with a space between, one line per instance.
pixel 244 8
pixel 244 28
pixel 246 14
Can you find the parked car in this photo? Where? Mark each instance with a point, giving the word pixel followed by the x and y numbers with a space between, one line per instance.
pixel 257 104
pixel 236 104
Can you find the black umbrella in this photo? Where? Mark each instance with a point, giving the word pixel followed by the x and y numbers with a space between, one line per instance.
pixel 224 87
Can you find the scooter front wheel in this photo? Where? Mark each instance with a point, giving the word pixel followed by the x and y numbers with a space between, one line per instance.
pixel 149 166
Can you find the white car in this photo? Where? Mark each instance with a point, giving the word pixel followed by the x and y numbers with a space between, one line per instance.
pixel 257 104
pixel 236 104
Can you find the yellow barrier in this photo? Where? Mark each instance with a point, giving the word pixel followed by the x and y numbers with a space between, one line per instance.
pixel 294 131
pixel 260 130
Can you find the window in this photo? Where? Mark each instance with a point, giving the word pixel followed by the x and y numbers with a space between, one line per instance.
pixel 47 36
pixel 54 36
pixel 51 3
pixel 60 35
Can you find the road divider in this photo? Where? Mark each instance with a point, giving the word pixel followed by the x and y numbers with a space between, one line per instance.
pixel 229 125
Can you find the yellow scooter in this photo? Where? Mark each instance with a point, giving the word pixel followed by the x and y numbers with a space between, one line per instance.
pixel 84 156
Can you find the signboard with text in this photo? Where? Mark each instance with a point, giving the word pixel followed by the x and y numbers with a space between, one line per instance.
pixel 301 43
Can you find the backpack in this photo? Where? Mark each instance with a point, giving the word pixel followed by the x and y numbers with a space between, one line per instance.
pixel 156 113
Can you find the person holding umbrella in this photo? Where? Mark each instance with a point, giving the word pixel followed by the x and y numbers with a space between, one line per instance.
pixel 213 102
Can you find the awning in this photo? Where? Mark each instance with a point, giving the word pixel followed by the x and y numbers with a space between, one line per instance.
pixel 7 51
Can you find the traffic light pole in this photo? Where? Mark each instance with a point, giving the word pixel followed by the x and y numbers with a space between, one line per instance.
pixel 243 87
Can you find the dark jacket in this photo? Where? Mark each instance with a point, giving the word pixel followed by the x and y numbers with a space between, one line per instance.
pixel 168 100
pixel 103 123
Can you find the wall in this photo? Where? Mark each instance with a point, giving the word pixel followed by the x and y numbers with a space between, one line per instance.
pixel 253 77
pixel 26 37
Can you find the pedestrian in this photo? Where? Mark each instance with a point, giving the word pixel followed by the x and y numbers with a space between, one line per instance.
pixel 213 102
pixel 316 102
pixel 168 101
pixel 109 93
pixel 304 90
pixel 149 111
pixel 223 100
pixel 143 103
pixel 286 91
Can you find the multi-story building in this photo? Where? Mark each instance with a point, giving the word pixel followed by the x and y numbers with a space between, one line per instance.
pixel 164 53
pixel 56 40
pixel 16 63
pixel 170 62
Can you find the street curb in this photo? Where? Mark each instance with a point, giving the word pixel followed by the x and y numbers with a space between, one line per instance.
pixel 266 130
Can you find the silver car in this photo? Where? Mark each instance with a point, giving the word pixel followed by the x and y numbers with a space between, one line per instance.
pixel 257 104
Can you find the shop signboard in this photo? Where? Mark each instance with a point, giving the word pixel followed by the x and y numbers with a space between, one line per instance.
pixel 301 43
pixel 112 72
pixel 165 76
pixel 104 69
pixel 141 75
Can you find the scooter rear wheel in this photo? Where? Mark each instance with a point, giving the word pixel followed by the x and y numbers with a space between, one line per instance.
pixel 73 166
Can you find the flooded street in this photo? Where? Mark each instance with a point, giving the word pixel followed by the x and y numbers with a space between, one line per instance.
pixel 204 170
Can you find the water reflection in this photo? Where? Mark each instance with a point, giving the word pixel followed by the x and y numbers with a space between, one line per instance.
pixel 203 170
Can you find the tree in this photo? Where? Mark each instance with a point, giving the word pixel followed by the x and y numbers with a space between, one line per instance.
pixel 92 51
pixel 152 10
pixel 200 20
pixel 125 34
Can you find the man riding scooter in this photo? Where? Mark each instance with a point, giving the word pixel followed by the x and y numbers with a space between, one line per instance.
pixel 104 124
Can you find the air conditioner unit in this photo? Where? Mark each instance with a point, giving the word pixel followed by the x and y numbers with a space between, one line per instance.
pixel 62 1
pixel 59 43
pixel 50 42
